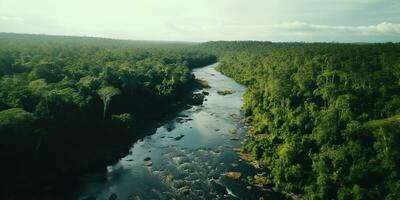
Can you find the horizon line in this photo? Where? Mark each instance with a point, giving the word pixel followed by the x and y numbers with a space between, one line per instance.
pixel 183 41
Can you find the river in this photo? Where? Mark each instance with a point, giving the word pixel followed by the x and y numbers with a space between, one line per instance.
pixel 186 156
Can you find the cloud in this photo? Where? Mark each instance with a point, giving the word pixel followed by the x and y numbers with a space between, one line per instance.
pixel 288 31
pixel 11 19
pixel 384 28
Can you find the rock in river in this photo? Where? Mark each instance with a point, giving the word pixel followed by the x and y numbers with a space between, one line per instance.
pixel 225 92
pixel 197 99
pixel 147 159
pixel 148 163
pixel 184 190
pixel 179 137
pixel 169 178
pixel 233 175
pixel 205 92
pixel 233 131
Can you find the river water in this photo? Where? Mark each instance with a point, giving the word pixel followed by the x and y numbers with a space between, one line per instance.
pixel 186 156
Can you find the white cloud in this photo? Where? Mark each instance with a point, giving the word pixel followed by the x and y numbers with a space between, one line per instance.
pixel 384 28
pixel 203 20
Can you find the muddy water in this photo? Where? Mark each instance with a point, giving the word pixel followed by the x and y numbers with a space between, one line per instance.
pixel 185 157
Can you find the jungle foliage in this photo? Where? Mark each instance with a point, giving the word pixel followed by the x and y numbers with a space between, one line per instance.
pixel 325 115
pixel 66 101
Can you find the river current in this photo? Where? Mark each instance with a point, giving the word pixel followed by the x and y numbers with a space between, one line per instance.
pixel 187 156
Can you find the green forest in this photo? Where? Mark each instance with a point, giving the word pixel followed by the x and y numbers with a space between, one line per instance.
pixel 69 103
pixel 325 116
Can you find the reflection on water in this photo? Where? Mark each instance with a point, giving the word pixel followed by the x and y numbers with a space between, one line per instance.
pixel 186 156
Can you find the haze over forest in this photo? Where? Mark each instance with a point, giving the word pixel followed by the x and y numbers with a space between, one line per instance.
pixel 205 20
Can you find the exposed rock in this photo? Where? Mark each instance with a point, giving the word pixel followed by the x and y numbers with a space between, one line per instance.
pixel 148 163
pixel 179 137
pixel 233 175
pixel 234 164
pixel 147 159
pixel 233 131
pixel 234 115
pixel 169 178
pixel 183 120
pixel 249 187
pixel 205 92
pixel 169 126
pixel 184 190
pixel 203 83
pixel 225 92
pixel 197 98
pixel 217 129
pixel 249 158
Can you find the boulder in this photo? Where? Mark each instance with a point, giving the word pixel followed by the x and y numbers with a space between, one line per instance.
pixel 147 159
pixel 233 131
pixel 148 163
pixel 233 175
pixel 184 190
pixel 225 92
pixel 179 137
pixel 169 178
pixel 197 99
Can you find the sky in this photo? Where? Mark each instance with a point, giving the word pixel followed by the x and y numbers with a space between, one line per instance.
pixel 205 20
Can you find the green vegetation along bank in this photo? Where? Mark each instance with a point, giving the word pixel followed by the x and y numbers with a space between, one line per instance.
pixel 68 104
pixel 325 115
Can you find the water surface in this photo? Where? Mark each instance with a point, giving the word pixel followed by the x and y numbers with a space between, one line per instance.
pixel 187 154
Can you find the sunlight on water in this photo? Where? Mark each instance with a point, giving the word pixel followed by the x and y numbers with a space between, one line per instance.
pixel 186 156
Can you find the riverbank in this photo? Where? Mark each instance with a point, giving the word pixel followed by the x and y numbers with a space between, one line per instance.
pixel 48 173
pixel 189 156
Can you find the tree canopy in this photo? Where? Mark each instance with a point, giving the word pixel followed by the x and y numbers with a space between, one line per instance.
pixel 67 102
pixel 328 114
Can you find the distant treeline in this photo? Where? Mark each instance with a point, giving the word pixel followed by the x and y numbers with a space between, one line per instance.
pixel 326 116
pixel 67 103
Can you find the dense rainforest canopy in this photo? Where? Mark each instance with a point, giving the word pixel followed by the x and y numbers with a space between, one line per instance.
pixel 65 100
pixel 325 115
